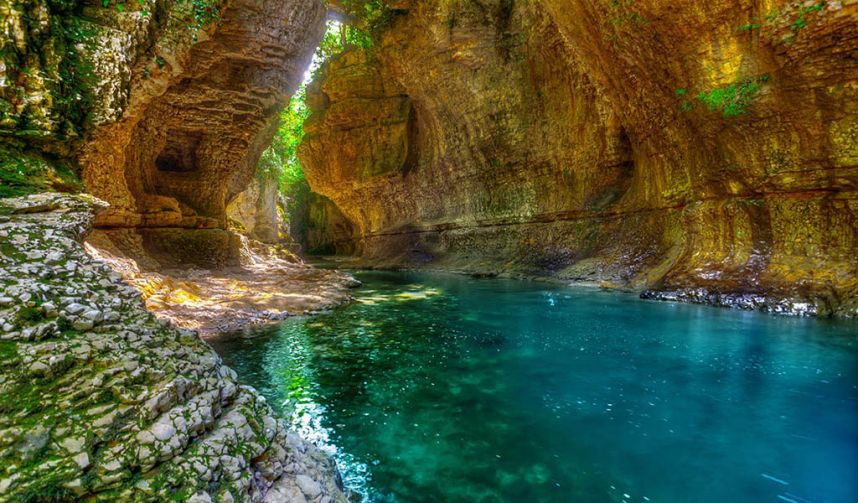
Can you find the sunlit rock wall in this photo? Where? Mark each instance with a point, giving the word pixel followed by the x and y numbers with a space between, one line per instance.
pixel 256 211
pixel 602 141
pixel 192 144
pixel 166 105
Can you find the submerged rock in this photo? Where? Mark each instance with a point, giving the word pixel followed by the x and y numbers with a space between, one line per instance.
pixel 124 405
pixel 746 301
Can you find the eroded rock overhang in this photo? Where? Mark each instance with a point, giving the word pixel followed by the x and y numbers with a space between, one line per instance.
pixel 196 123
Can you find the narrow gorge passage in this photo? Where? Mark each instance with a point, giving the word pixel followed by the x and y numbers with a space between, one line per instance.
pixel 197 198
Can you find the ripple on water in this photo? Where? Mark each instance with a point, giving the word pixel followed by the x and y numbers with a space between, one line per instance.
pixel 445 388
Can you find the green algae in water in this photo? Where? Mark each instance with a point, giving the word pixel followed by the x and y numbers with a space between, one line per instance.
pixel 445 388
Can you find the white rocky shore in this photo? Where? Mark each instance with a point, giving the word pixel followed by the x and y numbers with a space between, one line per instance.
pixel 100 400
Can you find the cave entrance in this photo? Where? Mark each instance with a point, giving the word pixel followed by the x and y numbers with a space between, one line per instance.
pixel 180 153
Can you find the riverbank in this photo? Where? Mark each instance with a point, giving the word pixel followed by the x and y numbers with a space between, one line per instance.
pixel 796 303
pixel 99 398
pixel 268 285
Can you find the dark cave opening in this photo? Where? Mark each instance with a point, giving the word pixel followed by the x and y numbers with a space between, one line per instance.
pixel 180 153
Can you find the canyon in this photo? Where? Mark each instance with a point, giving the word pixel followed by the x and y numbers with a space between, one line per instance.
pixel 694 152
pixel 683 151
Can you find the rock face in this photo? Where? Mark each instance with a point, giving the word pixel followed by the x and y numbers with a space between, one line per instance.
pixel 167 105
pixel 326 230
pixel 98 399
pixel 707 152
pixel 256 211
pixel 190 143
pixel 186 148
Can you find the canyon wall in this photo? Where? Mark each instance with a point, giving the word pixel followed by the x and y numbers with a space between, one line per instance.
pixel 165 106
pixel 170 167
pixel 700 150
pixel 256 211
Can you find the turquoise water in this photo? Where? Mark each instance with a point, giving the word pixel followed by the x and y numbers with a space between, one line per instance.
pixel 435 388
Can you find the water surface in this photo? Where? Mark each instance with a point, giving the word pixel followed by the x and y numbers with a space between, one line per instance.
pixel 435 388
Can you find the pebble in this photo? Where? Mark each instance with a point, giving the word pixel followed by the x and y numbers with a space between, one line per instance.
pixel 83 325
pixel 39 368
pixel 75 308
pixel 72 444
pixel 82 460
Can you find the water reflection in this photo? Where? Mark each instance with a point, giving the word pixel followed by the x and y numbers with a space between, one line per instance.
pixel 442 388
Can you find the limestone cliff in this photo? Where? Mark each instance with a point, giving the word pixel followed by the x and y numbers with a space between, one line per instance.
pixel 165 105
pixel 324 229
pixel 256 212
pixel 99 400
pixel 706 149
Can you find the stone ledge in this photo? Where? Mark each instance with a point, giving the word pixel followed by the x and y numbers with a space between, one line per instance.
pixel 100 399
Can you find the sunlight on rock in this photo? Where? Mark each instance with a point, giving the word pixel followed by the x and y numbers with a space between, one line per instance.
pixel 415 292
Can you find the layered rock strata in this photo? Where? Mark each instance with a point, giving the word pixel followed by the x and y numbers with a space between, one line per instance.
pixel 703 151
pixel 99 399
pixel 256 212
pixel 166 105
pixel 189 145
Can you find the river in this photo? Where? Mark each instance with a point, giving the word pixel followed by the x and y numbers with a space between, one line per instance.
pixel 435 388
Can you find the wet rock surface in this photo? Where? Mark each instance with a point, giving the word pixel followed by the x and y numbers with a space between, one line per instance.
pixel 98 398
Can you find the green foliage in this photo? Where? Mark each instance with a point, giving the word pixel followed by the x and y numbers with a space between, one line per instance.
pixel 374 14
pixel 801 21
pixel 8 350
pixel 203 12
pixel 281 158
pixel 733 100
pixel 72 93
pixel 22 174
pixel 623 13
pixel 749 27
pixel 815 7
pixel 355 37
pixel 339 37
pixel 30 315
pixel 684 105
